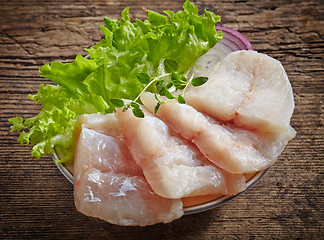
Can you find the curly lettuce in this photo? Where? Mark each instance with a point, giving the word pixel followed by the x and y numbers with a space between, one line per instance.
pixel 128 48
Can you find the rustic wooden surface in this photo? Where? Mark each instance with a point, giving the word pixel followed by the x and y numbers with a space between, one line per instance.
pixel 36 201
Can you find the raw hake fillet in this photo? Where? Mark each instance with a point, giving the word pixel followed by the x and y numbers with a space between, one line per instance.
pixel 108 184
pixel 233 149
pixel 173 166
pixel 249 88
pixel 241 151
pixel 112 154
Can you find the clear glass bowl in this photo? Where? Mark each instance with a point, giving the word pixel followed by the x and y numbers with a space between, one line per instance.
pixel 191 205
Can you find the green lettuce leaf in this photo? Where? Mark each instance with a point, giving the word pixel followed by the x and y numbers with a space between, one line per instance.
pixel 153 46
pixel 53 126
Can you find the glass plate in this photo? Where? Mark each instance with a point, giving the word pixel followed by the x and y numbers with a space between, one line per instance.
pixel 193 204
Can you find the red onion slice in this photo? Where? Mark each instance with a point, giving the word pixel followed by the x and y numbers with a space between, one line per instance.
pixel 232 41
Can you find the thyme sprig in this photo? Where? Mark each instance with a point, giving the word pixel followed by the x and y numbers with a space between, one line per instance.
pixel 164 84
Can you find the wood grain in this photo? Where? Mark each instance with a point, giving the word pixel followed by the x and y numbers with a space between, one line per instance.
pixel 36 201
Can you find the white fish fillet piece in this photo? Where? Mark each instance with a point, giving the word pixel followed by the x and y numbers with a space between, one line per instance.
pixel 249 88
pixel 173 166
pixel 112 152
pixel 108 184
pixel 233 149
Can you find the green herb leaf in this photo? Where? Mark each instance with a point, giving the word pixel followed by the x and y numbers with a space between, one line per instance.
pixel 160 85
pixel 143 78
pixel 157 107
pixel 170 84
pixel 167 93
pixel 134 105
pixel 137 111
pixel 117 102
pixel 170 65
pixel 198 81
pixel 178 80
pixel 181 100
pixel 174 76
pixel 156 97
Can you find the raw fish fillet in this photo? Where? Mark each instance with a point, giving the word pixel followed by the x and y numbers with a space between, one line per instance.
pixel 173 166
pixel 227 146
pixel 108 184
pixel 114 154
pixel 249 88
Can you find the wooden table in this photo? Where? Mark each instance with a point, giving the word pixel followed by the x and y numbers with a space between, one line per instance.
pixel 36 201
